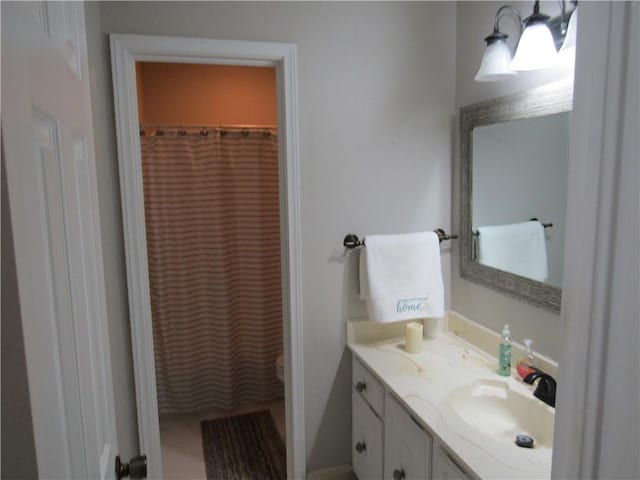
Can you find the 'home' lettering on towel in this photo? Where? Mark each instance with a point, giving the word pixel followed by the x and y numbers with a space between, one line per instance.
pixel 411 304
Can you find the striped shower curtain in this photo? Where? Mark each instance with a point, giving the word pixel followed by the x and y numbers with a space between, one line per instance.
pixel 213 243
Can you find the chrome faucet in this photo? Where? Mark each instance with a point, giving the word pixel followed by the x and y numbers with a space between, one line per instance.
pixel 546 389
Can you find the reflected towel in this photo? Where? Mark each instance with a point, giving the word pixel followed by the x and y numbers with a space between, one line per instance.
pixel 401 277
pixel 519 248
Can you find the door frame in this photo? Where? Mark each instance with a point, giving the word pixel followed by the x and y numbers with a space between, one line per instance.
pixel 125 51
pixel 596 432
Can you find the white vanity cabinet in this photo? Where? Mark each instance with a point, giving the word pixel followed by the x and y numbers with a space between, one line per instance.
pixel 387 442
pixel 367 427
pixel 367 441
pixel 445 467
pixel 407 446
pixel 369 387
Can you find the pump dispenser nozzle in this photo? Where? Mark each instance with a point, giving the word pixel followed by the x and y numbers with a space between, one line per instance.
pixel 526 364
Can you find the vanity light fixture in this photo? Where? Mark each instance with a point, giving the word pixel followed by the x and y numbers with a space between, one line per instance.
pixel 496 60
pixel 568 49
pixel 536 47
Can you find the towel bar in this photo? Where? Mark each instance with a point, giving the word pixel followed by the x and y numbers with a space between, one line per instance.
pixel 476 233
pixel 351 240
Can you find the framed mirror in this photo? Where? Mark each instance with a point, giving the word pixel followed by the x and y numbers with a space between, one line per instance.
pixel 514 163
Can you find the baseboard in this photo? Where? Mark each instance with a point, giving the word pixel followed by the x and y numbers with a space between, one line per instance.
pixel 341 472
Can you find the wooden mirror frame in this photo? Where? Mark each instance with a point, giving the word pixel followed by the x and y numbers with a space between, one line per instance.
pixel 546 100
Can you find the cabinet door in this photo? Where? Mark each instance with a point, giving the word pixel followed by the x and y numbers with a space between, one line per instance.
pixel 366 440
pixel 407 446
pixel 446 468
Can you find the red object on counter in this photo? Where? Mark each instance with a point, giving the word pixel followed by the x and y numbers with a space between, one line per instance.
pixel 524 369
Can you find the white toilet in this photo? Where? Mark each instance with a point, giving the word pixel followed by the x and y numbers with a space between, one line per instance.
pixel 280 367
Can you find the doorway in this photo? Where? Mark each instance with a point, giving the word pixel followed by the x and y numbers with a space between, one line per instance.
pixel 131 53
pixel 208 136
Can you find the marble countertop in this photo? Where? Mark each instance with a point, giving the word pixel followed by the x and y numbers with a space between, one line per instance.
pixel 423 382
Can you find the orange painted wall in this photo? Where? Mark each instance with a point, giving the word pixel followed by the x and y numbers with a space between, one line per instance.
pixel 191 94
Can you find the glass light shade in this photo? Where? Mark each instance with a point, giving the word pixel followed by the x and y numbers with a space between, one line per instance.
pixel 535 50
pixel 495 63
pixel 568 49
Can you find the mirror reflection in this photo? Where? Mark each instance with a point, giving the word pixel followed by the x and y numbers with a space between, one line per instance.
pixel 519 179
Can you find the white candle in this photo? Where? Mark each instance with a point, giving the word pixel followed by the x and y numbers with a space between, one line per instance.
pixel 432 327
pixel 413 337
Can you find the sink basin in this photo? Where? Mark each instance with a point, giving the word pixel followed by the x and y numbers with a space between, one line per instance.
pixel 496 410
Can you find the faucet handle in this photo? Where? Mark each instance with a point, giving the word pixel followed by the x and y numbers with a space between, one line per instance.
pixel 533 376
pixel 546 389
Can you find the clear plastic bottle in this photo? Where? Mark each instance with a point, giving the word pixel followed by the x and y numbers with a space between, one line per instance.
pixel 526 365
pixel 504 355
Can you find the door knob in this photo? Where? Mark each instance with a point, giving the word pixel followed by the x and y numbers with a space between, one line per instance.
pixel 361 387
pixel 398 474
pixel 135 469
pixel 360 447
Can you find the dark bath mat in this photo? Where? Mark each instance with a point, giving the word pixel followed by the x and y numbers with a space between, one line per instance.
pixel 243 447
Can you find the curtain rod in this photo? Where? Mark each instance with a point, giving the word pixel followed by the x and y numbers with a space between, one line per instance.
pixel 170 126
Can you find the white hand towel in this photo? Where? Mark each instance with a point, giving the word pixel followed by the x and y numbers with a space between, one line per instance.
pixel 401 277
pixel 518 248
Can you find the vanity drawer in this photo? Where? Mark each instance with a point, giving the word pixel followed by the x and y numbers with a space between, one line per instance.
pixel 368 386
pixel 366 441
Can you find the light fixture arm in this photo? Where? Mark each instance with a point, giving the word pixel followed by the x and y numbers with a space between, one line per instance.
pixel 566 15
pixel 563 18
pixel 508 10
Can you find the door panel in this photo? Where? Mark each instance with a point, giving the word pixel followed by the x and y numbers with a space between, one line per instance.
pixel 48 142
pixel 54 333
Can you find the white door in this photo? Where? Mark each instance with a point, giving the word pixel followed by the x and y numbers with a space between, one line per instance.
pixel 48 146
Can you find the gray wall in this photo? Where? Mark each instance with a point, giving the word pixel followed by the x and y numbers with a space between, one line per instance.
pixel 111 224
pixel 486 306
pixel 18 445
pixel 376 105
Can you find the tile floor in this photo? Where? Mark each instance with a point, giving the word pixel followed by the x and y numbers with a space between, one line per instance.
pixel 181 440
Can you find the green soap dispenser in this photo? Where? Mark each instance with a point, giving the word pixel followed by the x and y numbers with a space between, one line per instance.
pixel 504 355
